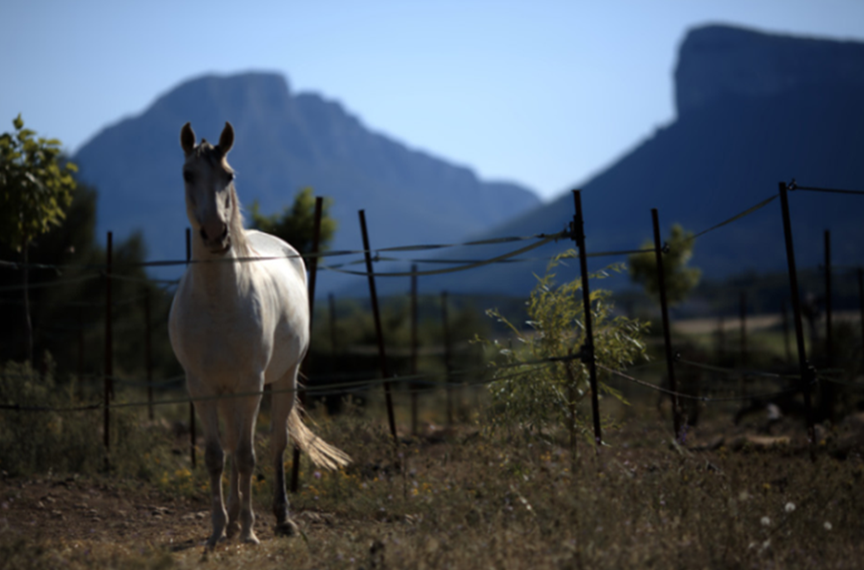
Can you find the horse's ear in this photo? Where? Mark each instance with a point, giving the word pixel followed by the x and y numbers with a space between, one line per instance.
pixel 226 139
pixel 187 138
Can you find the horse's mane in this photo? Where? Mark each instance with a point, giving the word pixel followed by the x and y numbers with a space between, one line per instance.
pixel 216 159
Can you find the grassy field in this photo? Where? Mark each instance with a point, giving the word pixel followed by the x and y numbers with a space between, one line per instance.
pixel 461 497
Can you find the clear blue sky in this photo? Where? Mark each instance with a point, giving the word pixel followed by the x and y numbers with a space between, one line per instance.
pixel 540 92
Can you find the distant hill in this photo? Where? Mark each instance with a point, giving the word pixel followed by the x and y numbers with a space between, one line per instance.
pixel 285 141
pixel 753 109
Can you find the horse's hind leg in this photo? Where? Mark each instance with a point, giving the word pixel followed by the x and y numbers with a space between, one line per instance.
pixel 242 424
pixel 283 402
pixel 214 459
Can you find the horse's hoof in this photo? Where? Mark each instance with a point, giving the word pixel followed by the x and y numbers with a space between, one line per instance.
pixel 251 539
pixel 287 528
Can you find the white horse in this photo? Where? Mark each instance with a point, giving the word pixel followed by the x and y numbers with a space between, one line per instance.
pixel 235 326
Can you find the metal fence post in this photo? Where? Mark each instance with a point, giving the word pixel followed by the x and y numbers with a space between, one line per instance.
pixel 192 435
pixel 807 373
pixel 414 347
pixel 148 353
pixel 828 390
pixel 382 352
pixel 109 364
pixel 313 278
pixel 447 364
pixel 667 337
pixel 578 235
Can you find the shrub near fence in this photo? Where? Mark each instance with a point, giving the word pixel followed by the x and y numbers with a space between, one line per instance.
pixel 807 377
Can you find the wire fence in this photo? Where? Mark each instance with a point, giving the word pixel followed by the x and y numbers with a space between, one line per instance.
pixel 803 382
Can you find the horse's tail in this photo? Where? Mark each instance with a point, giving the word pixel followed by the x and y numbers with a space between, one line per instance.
pixel 320 452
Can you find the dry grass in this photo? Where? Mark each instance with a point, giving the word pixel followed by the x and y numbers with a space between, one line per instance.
pixel 466 499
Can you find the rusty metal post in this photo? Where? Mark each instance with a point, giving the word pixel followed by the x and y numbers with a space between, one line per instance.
pixel 109 363
pixel 577 232
pixel 192 435
pixel 382 352
pixel 667 335
pixel 313 278
pixel 414 347
pixel 807 373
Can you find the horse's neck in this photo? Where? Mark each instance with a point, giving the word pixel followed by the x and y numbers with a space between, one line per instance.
pixel 221 275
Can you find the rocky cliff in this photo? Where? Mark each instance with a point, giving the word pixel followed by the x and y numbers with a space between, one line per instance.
pixel 754 109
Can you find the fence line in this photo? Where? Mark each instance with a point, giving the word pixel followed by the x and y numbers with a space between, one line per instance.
pixel 348 387
pixel 807 377
pixel 543 237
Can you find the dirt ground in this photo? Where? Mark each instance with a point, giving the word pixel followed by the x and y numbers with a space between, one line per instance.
pixel 74 509
pixel 80 514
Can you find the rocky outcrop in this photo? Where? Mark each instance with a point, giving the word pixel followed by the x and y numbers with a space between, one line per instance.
pixel 717 63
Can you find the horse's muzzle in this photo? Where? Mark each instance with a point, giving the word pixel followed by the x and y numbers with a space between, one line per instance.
pixel 221 244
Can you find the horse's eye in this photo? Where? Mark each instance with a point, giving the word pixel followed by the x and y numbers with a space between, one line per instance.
pixel 188 177
pixel 230 177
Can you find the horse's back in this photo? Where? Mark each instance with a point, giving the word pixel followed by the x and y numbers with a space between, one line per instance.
pixel 267 245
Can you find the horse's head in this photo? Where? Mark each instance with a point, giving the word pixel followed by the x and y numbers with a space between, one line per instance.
pixel 211 201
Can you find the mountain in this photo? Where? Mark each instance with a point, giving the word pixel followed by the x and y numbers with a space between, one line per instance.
pixel 284 142
pixel 753 109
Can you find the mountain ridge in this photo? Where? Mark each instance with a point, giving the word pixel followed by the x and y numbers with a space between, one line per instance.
pixel 722 154
pixel 285 142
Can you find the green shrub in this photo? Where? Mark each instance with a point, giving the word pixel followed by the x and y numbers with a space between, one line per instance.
pixel 536 396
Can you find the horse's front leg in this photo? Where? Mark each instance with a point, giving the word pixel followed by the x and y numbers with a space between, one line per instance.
pixel 233 494
pixel 283 402
pixel 242 424
pixel 214 459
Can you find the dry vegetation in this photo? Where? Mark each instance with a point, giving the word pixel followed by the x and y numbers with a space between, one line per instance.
pixel 465 498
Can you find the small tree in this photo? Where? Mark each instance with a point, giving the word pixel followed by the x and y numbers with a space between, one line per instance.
pixel 297 223
pixel 35 188
pixel 678 278
pixel 538 395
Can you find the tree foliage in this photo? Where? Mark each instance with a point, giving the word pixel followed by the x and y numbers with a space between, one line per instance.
pixel 296 224
pixel 678 277
pixel 538 395
pixel 35 186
